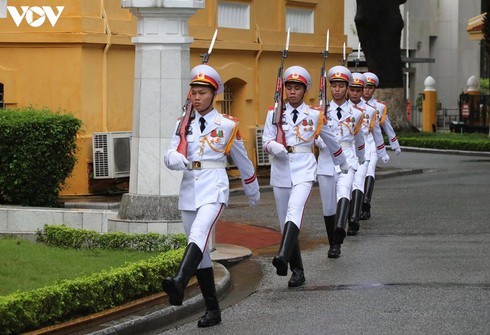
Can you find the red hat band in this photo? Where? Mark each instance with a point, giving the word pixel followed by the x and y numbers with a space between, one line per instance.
pixel 357 82
pixel 297 77
pixel 201 78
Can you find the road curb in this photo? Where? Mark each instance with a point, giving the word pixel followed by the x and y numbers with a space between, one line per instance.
pixel 159 320
pixel 446 151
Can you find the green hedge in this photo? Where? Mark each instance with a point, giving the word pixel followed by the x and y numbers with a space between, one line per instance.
pixel 465 142
pixel 65 237
pixel 37 154
pixel 68 299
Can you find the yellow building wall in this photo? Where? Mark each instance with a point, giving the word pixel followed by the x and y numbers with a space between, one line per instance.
pixel 84 65
pixel 249 59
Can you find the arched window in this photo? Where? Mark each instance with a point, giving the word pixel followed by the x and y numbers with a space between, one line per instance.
pixel 227 100
pixel 2 103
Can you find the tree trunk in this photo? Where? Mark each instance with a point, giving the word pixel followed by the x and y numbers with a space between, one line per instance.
pixel 394 98
pixel 379 25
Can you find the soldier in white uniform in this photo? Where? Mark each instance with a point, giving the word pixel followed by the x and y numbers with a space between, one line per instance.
pixel 204 190
pixel 293 166
pixel 384 122
pixel 339 79
pixel 345 122
pixel 372 135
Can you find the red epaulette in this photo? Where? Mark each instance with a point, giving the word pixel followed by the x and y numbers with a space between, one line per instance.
pixel 381 102
pixel 229 117
pixel 270 108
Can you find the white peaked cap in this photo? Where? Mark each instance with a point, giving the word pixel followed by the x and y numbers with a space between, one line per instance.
pixel 371 78
pixel 297 74
pixel 207 76
pixel 339 73
pixel 358 80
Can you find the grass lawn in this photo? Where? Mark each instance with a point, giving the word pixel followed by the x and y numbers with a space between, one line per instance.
pixel 26 265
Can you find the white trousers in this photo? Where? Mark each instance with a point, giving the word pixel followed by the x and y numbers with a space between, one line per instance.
pixel 359 176
pixel 291 203
pixel 371 170
pixel 328 194
pixel 344 184
pixel 198 226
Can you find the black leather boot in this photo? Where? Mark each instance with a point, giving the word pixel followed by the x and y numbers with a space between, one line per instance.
pixel 340 223
pixel 356 203
pixel 212 317
pixel 296 266
pixel 330 227
pixel 288 241
pixel 368 193
pixel 174 287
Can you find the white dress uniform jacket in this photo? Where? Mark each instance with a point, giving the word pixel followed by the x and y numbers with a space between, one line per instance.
pixel 348 132
pixel 373 137
pixel 298 167
pixel 211 185
pixel 384 122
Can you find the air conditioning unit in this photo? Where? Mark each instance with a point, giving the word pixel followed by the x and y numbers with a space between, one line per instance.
pixel 262 155
pixel 111 154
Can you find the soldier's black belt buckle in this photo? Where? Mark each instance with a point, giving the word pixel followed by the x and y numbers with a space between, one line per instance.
pixel 196 165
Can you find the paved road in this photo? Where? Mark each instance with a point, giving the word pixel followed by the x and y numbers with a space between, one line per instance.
pixel 421 265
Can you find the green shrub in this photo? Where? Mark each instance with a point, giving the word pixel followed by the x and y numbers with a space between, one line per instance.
pixel 68 299
pixel 65 237
pixel 450 141
pixel 37 154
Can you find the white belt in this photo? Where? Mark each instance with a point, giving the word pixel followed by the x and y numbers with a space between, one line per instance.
pixel 201 165
pixel 345 144
pixel 294 150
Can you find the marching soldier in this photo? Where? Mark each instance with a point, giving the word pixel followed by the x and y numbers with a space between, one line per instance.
pixel 372 135
pixel 204 189
pixel 293 167
pixel 345 122
pixel 384 122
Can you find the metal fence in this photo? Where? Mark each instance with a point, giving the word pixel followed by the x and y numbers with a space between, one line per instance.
pixel 445 116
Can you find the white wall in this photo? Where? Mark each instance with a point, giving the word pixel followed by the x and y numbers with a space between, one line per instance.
pixel 437 29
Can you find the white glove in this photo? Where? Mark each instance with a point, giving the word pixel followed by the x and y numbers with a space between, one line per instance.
pixel 320 144
pixel 398 151
pixel 344 167
pixel 176 161
pixel 253 200
pixel 277 150
pixel 361 160
pixel 385 159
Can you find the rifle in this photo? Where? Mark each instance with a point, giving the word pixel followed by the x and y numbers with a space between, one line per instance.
pixel 278 98
pixel 188 109
pixel 358 59
pixel 322 94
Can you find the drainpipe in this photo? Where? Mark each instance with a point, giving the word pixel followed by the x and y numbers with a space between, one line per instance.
pixel 108 33
pixel 257 57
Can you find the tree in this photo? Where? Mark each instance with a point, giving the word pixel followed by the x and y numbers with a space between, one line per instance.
pixel 379 26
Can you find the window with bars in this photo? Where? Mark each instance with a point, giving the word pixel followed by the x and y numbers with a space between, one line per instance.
pixel 2 102
pixel 300 20
pixel 234 15
pixel 227 101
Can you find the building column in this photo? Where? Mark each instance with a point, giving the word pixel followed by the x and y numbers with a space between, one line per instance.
pixel 161 84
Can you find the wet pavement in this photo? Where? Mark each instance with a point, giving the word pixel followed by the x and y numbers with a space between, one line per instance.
pixel 419 266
